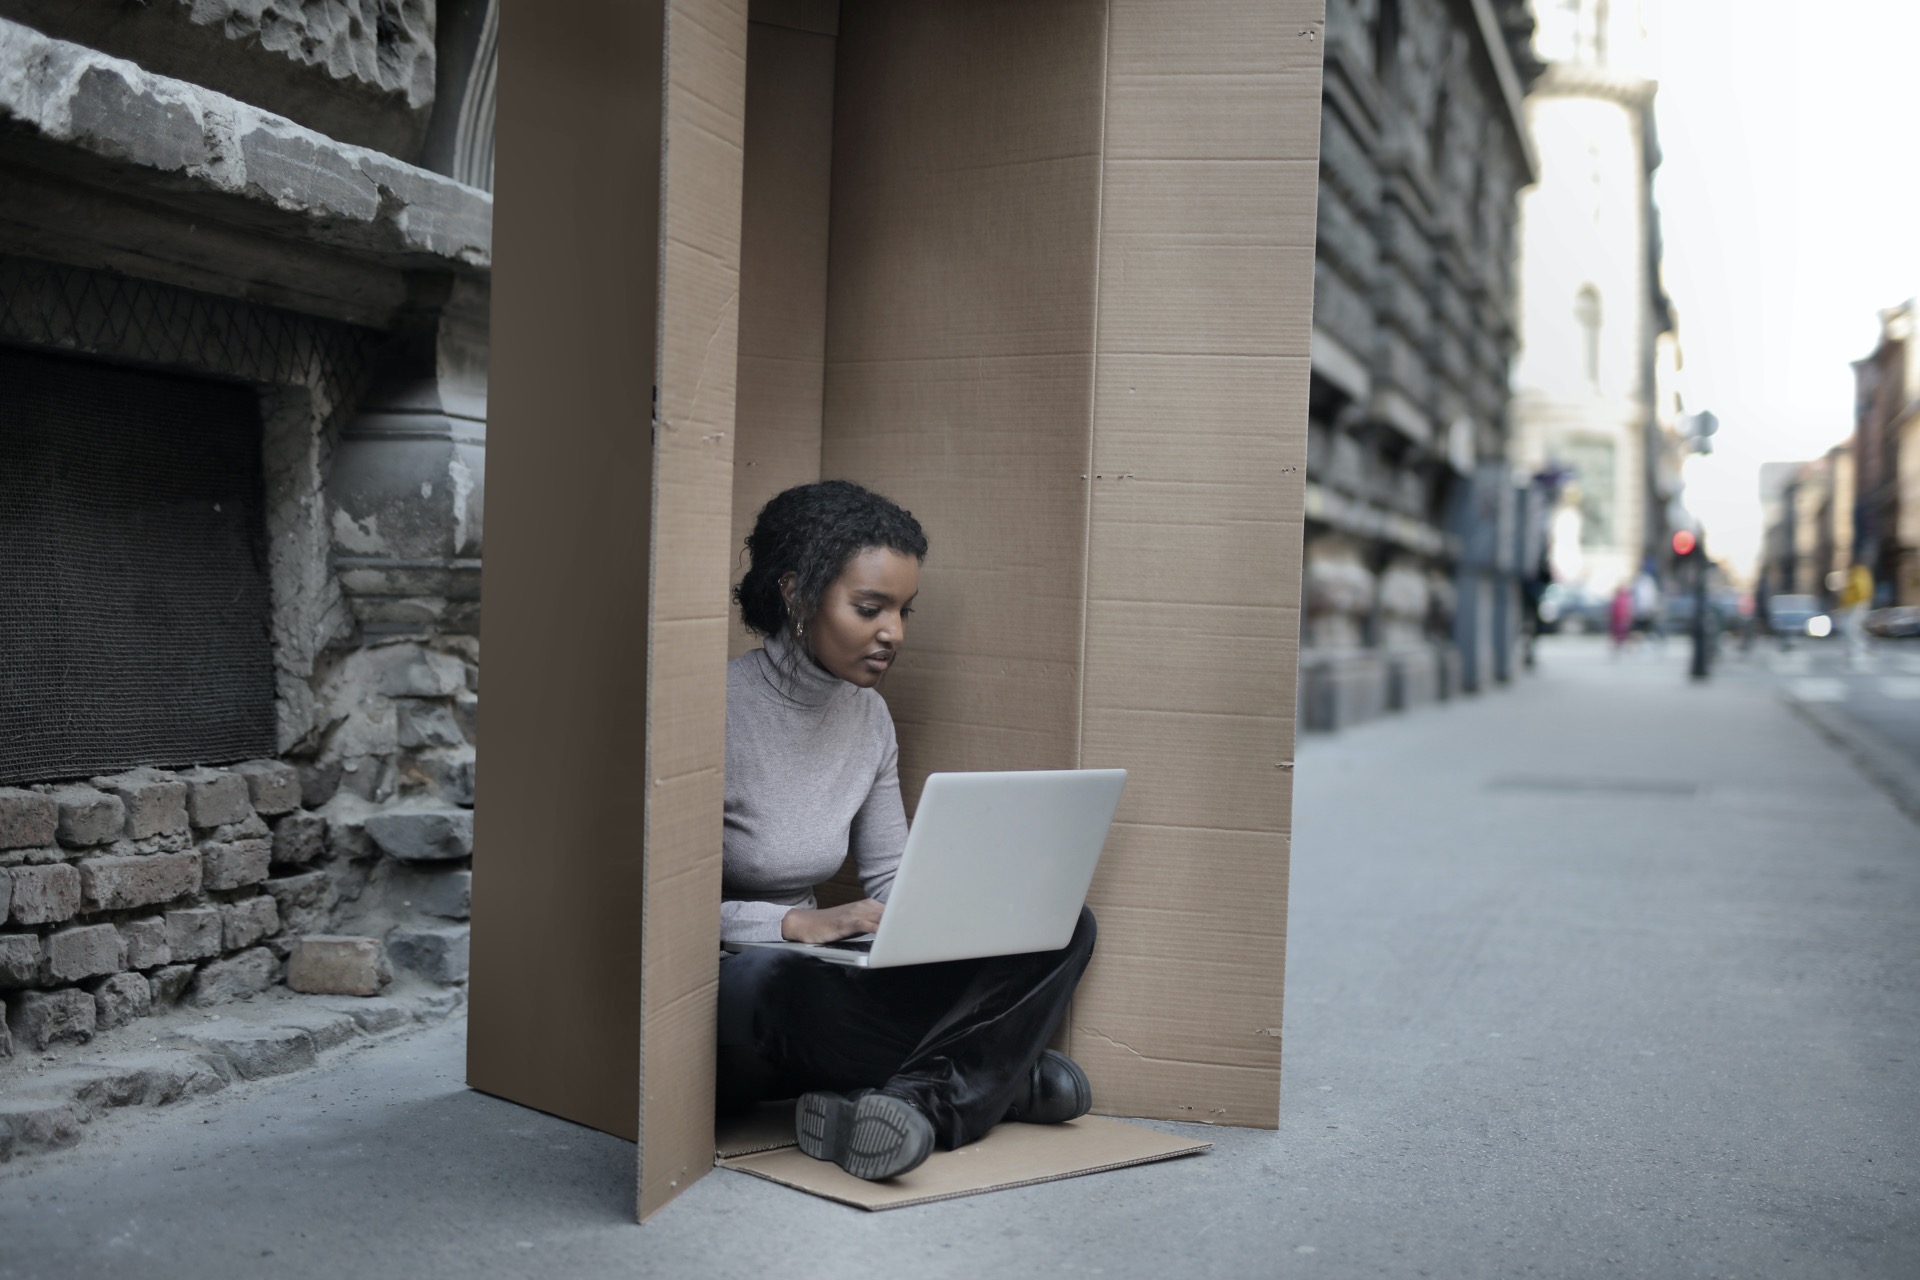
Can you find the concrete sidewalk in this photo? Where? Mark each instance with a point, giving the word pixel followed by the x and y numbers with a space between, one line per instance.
pixel 1606 974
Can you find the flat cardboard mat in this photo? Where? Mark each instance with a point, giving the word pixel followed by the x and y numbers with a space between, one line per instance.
pixel 1013 1155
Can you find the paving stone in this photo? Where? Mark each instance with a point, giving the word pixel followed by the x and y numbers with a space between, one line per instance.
pixel 19 959
pixel 152 1079
pixel 305 900
pixel 156 802
pixel 236 978
pixel 429 835
pixel 41 1018
pixel 448 893
pixel 35 1125
pixel 338 966
pixel 116 884
pixel 436 954
pixel 255 1052
pixel 170 983
pixel 147 942
pixel 84 951
pixel 235 864
pixel 246 922
pixel 328 1029
pixel 272 786
pixel 121 999
pixel 299 838
pixel 375 1014
pixel 27 818
pixel 216 797
pixel 193 933
pixel 88 816
pixel 45 894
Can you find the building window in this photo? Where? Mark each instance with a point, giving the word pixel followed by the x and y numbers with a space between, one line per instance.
pixel 1591 460
pixel 1586 313
pixel 1386 40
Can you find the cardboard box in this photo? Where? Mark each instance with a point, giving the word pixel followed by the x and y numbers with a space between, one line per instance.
pixel 1040 270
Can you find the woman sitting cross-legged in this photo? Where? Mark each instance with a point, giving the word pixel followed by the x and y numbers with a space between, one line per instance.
pixel 887 1063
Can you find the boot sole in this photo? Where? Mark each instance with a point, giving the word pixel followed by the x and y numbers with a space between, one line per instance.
pixel 872 1137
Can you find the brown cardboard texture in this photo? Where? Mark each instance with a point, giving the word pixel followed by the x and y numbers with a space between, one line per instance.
pixel 1040 270
pixel 1013 1155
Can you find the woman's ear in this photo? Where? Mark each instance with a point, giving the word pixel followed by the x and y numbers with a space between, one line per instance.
pixel 787 581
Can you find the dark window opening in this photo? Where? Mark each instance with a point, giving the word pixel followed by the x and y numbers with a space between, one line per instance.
pixel 135 610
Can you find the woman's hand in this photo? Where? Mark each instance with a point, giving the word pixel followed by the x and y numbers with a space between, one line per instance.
pixel 816 925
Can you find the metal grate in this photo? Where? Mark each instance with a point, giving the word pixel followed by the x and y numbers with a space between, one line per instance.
pixel 134 600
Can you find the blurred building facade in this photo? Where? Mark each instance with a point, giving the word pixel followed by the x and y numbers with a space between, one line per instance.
pixel 244 263
pixel 1886 442
pixel 1410 574
pixel 1808 514
pixel 1594 401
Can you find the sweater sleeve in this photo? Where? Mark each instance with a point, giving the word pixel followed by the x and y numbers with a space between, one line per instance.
pixel 747 921
pixel 879 833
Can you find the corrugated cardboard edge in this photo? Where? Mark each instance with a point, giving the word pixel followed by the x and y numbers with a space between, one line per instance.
pixel 703 128
pixel 754 1164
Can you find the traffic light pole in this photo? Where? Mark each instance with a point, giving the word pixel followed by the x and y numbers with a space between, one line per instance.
pixel 1702 646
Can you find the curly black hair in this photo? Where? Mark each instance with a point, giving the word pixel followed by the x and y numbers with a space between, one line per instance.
pixel 811 531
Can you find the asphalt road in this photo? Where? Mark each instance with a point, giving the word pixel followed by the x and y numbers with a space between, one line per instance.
pixel 1606 975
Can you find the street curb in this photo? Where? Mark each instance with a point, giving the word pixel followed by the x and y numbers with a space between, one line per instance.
pixel 1878 759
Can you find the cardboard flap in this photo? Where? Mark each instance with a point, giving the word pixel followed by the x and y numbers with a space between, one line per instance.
pixel 1013 1155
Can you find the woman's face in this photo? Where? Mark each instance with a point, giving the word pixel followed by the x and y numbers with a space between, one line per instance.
pixel 862 620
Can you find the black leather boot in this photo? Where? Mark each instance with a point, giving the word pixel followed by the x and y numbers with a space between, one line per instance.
pixel 1055 1090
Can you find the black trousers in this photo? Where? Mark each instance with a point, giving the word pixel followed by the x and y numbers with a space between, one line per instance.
pixel 955 1039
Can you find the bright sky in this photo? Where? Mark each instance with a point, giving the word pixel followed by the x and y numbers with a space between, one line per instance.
pixel 1790 202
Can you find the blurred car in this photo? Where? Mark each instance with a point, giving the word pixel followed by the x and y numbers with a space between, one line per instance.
pixel 1793 615
pixel 1899 623
pixel 1571 611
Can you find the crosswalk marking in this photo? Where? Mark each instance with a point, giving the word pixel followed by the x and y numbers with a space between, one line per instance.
pixel 1818 689
pixel 1906 688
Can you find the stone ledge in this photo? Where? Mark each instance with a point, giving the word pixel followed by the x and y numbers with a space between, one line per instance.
pixel 178 141
pixel 44 1110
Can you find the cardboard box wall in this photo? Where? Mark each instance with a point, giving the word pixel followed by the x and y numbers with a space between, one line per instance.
pixel 1040 271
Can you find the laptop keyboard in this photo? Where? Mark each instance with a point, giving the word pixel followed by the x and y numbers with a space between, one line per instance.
pixel 847 944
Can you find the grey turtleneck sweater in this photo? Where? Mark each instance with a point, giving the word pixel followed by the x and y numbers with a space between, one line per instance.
pixel 812 775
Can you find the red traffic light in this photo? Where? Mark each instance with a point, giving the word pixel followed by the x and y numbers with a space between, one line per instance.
pixel 1684 542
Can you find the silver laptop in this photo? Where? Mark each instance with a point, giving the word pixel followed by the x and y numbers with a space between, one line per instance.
pixel 996 864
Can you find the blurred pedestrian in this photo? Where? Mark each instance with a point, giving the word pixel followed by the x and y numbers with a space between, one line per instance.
pixel 1851 617
pixel 1620 616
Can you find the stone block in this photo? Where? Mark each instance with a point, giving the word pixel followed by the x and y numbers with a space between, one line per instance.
pixel 448 894
pixel 6 1047
pixel 19 959
pixel 88 815
pixel 35 1125
pixel 426 724
pixel 39 1019
pixel 236 863
pixel 121 999
pixel 156 802
pixel 304 900
pixel 27 818
pixel 257 1052
pixel 238 977
pixel 84 951
pixel 347 838
pixel 147 943
pixel 117 884
pixel 426 835
pixel 193 933
pixel 246 922
pixel 438 954
pixel 45 894
pixel 6 893
pixel 215 797
pixel 466 714
pixel 319 782
pixel 417 673
pixel 327 1029
pixel 272 786
pixel 299 838
pixel 170 983
pixel 338 966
